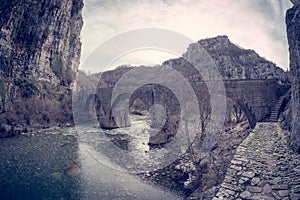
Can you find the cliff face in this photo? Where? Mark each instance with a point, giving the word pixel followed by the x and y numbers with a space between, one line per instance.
pixel 39 57
pixel 293 32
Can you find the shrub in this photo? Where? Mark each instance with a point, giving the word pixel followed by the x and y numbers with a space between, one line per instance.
pixel 28 89
pixel 57 66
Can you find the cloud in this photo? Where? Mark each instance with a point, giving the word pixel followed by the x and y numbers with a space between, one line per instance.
pixel 256 24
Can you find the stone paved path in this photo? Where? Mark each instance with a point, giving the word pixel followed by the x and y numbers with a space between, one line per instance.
pixel 263 167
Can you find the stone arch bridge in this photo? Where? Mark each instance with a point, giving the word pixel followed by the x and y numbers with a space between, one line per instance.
pixel 256 98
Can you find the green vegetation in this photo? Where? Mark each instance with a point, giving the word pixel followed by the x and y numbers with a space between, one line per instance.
pixel 28 89
pixel 66 75
pixel 57 65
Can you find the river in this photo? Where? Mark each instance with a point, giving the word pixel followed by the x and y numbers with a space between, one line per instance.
pixel 76 163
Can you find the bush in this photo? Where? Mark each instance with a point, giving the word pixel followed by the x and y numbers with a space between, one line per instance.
pixel 28 89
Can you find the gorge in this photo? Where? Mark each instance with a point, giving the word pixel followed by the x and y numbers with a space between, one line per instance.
pixel 99 149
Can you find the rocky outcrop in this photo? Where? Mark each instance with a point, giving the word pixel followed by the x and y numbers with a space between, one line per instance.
pixel 233 62
pixel 293 32
pixel 39 58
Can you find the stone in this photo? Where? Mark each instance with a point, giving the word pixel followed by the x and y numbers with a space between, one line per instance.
pixel 264 197
pixel 238 168
pixel 230 186
pixel 276 196
pixel 254 189
pixel 275 181
pixel 73 170
pixel 228 179
pixel 223 192
pixel 248 174
pixel 239 173
pixel 261 183
pixel 280 187
pixel 245 194
pixel 236 162
pixel 230 192
pixel 283 193
pixel 241 181
pixel 255 181
pixel 242 159
pixel 267 189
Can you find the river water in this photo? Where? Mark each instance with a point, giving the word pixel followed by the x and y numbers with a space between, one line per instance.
pixel 76 163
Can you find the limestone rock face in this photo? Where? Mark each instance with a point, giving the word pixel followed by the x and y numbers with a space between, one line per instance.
pixel 40 39
pixel 39 57
pixel 293 32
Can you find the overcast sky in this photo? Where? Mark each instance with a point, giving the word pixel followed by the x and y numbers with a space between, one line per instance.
pixel 252 24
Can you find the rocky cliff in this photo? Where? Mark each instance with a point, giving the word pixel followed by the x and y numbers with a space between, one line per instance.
pixel 234 62
pixel 39 58
pixel 293 32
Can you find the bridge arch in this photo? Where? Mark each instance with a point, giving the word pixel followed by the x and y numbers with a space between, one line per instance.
pixel 238 106
pixel 248 112
pixel 156 94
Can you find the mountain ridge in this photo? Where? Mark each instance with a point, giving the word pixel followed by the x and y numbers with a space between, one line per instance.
pixel 234 62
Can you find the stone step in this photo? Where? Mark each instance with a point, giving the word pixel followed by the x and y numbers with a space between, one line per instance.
pixel 275 110
pixel 273 120
pixel 274 113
